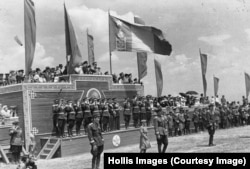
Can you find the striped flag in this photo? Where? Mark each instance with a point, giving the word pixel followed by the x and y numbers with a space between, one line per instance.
pixel 159 78
pixel 72 48
pixel 141 56
pixel 247 81
pixel 125 36
pixel 203 71
pixel 216 85
pixel 16 38
pixel 30 34
pixel 91 57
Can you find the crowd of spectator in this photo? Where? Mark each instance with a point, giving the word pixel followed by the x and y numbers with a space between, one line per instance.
pixel 54 74
pixel 7 113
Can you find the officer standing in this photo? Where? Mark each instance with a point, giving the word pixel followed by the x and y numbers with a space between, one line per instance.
pixel 136 112
pixel 211 125
pixel 105 115
pixel 79 117
pixel 149 107
pixel 87 113
pixel 61 118
pixel 187 122
pixel 195 119
pixel 55 116
pixel 117 114
pixel 161 130
pixel 71 117
pixel 96 140
pixel 126 112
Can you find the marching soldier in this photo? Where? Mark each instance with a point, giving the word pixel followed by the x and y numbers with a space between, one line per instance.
pixel 117 114
pixel 181 121
pixel 96 140
pixel 71 117
pixel 211 125
pixel 161 131
pixel 176 121
pixel 126 112
pixel 55 116
pixel 79 117
pixel 105 115
pixel 170 123
pixel 136 112
pixel 62 116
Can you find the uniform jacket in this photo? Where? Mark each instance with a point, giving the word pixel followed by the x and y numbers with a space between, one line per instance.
pixel 161 125
pixel 16 136
pixel 94 134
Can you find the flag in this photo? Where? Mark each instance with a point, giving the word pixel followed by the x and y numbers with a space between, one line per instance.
pixel 125 36
pixel 16 38
pixel 216 86
pixel 72 48
pixel 203 71
pixel 30 34
pixel 247 81
pixel 90 48
pixel 158 76
pixel 141 56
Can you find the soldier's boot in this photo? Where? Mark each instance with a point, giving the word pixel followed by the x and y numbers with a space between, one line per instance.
pixel 159 148
pixel 165 148
pixel 94 162
pixel 98 159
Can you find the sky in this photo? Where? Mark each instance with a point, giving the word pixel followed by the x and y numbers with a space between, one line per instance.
pixel 220 28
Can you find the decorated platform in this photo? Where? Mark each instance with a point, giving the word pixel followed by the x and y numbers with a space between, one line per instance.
pixel 34 101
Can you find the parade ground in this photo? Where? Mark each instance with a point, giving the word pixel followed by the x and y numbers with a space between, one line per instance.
pixel 226 140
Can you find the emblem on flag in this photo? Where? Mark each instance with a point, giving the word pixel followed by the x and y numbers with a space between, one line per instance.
pixel 120 39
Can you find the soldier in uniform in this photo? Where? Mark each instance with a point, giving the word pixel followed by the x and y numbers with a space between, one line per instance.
pixel 142 107
pixel 79 117
pixel 149 107
pixel 211 124
pixel 62 116
pixel 116 107
pixel 195 119
pixel 170 121
pixel 55 116
pixel 187 122
pixel 96 140
pixel 161 131
pixel 136 112
pixel 105 115
pixel 87 114
pixel 182 121
pixel 71 117
pixel 126 112
pixel 112 116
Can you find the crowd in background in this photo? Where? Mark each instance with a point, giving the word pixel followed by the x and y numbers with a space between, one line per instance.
pixel 6 113
pixel 54 74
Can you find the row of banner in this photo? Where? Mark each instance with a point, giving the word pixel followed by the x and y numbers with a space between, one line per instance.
pixel 123 36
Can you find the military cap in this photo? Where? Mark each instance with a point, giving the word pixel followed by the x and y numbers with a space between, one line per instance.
pixel 114 98
pixel 20 71
pixel 143 121
pixel 85 62
pixel 60 65
pixel 38 69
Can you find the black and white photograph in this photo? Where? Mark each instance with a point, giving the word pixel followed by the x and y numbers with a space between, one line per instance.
pixel 94 84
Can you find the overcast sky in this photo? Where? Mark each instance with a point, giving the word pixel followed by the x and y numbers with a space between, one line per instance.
pixel 220 28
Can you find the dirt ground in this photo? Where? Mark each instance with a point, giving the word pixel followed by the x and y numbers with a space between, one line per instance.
pixel 227 140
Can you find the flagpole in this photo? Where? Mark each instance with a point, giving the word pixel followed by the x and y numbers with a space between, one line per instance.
pixel 110 53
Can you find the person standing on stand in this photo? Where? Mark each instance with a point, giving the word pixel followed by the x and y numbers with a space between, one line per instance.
pixel 16 141
pixel 55 116
pixel 62 116
pixel 96 140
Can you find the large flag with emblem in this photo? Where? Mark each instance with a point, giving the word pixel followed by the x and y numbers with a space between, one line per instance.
pixel 72 48
pixel 30 34
pixel 132 37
